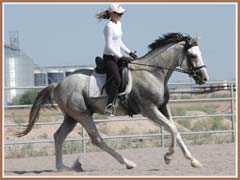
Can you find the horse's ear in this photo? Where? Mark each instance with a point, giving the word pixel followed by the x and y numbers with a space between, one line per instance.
pixel 195 40
pixel 198 39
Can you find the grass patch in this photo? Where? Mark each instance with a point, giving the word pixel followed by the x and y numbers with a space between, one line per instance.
pixel 72 147
pixel 210 139
pixel 13 151
pixel 185 122
pixel 99 116
pixel 217 123
pixel 181 111
pixel 219 95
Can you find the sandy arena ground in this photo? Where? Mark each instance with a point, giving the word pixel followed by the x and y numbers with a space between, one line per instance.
pixel 217 160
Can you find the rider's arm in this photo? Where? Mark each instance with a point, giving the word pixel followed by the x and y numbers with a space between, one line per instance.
pixel 124 47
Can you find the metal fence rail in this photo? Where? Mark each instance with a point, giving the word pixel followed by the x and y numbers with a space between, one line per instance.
pixel 150 136
pixel 160 135
pixel 171 101
pixel 122 119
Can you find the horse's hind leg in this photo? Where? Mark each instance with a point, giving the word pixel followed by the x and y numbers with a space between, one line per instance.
pixel 194 162
pixel 59 136
pixel 97 140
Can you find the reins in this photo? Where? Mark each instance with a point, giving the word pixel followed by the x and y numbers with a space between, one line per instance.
pixel 160 67
pixel 191 72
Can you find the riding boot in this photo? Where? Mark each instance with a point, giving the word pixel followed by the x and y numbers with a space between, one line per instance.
pixel 112 95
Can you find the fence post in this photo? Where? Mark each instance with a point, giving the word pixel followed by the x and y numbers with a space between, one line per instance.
pixel 232 111
pixel 162 136
pixel 83 141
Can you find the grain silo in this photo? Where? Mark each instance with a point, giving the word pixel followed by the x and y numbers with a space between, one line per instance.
pixel 40 78
pixel 18 70
pixel 55 76
pixel 69 71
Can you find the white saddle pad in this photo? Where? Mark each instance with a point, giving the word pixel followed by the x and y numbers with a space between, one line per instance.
pixel 97 81
pixel 96 84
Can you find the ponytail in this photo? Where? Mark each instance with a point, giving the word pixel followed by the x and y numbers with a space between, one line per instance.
pixel 103 15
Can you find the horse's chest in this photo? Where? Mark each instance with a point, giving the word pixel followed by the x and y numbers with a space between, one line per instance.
pixel 161 96
pixel 154 91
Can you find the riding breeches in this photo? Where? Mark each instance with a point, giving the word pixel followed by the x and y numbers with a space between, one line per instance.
pixel 112 70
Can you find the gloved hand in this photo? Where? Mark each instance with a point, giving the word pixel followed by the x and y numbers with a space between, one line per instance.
pixel 126 59
pixel 133 55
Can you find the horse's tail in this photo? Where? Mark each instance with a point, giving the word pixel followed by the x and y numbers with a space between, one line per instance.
pixel 43 97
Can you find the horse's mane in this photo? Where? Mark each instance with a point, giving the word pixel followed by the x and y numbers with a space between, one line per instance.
pixel 167 39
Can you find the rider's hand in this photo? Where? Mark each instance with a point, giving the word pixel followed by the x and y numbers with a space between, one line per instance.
pixel 126 59
pixel 133 55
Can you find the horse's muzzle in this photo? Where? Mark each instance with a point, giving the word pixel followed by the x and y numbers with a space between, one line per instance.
pixel 200 76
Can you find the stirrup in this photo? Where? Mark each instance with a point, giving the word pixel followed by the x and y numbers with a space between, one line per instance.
pixel 110 110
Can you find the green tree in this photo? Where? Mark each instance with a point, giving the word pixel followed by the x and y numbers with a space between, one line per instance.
pixel 26 98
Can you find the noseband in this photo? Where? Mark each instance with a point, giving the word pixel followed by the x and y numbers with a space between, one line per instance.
pixel 192 69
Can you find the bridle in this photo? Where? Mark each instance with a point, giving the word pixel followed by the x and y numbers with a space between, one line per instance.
pixel 192 72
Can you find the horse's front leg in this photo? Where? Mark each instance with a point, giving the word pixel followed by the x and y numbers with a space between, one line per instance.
pixel 167 113
pixel 194 162
pixel 158 117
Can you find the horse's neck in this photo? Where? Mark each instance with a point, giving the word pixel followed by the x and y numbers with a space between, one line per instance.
pixel 166 58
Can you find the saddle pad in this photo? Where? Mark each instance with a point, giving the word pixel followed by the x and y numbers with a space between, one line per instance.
pixel 96 84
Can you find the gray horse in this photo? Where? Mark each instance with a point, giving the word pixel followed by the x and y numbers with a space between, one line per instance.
pixel 149 96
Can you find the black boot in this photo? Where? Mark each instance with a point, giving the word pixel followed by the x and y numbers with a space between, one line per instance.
pixel 112 95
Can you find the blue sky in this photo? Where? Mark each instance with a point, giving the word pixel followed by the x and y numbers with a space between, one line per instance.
pixel 69 34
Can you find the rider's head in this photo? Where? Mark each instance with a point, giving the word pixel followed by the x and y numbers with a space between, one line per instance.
pixel 115 11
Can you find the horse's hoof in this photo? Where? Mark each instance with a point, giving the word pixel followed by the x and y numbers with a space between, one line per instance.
pixel 77 166
pixel 196 164
pixel 130 164
pixel 167 158
pixel 63 168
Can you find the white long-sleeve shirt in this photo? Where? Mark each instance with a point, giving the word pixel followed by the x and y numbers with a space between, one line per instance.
pixel 113 40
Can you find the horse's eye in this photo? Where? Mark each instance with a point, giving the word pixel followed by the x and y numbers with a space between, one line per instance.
pixel 192 55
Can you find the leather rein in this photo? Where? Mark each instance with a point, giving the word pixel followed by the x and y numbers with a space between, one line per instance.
pixel 192 70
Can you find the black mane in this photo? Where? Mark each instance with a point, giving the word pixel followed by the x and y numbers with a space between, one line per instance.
pixel 167 39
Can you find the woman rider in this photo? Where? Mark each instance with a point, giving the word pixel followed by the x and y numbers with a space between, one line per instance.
pixel 113 51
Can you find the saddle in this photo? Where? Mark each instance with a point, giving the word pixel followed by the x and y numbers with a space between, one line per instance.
pixel 123 68
pixel 124 87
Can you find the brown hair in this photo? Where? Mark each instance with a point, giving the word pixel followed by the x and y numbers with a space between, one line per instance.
pixel 103 15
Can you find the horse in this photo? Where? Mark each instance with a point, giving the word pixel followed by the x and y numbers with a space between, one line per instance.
pixel 149 96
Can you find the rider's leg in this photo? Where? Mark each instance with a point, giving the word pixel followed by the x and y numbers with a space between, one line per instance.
pixel 112 70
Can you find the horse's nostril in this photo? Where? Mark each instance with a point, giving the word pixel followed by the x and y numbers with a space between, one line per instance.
pixel 206 79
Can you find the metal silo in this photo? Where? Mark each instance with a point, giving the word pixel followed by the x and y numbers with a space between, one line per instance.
pixel 69 71
pixel 55 76
pixel 40 78
pixel 18 72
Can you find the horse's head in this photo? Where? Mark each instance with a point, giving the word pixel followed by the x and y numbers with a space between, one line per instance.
pixel 193 63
